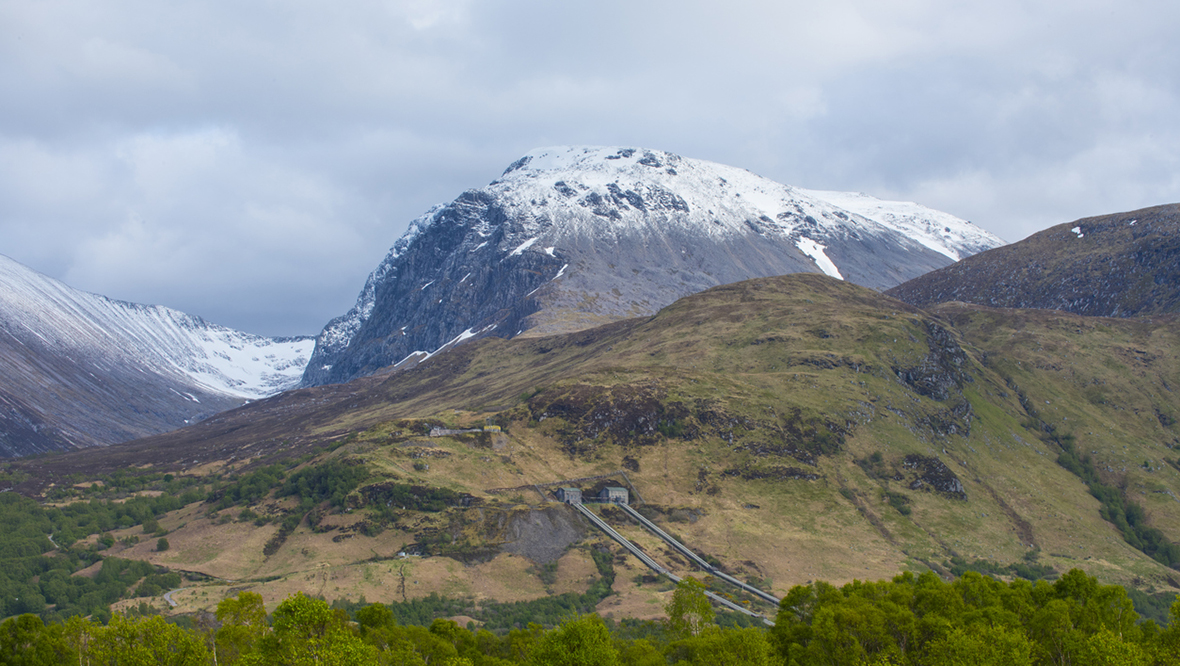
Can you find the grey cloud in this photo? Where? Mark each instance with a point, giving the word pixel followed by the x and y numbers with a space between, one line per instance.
pixel 252 162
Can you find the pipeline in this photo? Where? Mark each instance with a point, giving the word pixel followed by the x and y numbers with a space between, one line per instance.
pixel 654 566
pixel 694 558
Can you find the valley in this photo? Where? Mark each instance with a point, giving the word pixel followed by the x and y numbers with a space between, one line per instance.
pixel 710 344
pixel 793 429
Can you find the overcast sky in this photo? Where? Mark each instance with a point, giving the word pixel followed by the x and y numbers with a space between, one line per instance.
pixel 251 161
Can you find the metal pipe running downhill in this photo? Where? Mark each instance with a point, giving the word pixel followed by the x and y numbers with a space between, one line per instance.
pixel 654 566
pixel 693 557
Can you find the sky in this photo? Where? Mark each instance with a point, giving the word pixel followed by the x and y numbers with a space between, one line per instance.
pixel 251 161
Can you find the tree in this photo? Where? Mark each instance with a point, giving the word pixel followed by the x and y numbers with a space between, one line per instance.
pixel 162 544
pixel 26 641
pixel 306 631
pixel 1106 647
pixel 582 641
pixel 981 645
pixel 451 632
pixel 791 632
pixel 641 652
pixel 714 645
pixel 78 634
pixel 146 642
pixel 375 616
pixel 690 610
pixel 243 624
pixel 849 631
pixel 414 645
pixel 1170 638
pixel 1053 629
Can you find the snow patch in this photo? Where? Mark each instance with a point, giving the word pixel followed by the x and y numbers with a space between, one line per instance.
pixel 461 337
pixel 411 355
pixel 1078 232
pixel 816 252
pixel 523 246
pixel 465 335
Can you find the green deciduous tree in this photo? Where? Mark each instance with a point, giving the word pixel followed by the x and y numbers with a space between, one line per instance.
pixel 582 641
pixel 640 652
pixel 243 624
pixel 980 645
pixel 26 641
pixel 417 643
pixel 689 611
pixel 1106 648
pixel 749 647
pixel 145 642
pixel 306 632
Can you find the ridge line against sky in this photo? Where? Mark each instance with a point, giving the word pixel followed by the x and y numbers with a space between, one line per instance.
pixel 251 162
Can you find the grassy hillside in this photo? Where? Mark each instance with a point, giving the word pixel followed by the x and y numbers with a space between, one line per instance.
pixel 794 429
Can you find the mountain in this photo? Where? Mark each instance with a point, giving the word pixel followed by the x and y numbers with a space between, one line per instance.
pixel 794 428
pixel 572 237
pixel 82 370
pixel 1120 265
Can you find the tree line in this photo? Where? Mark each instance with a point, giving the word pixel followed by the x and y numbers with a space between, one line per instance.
pixel 911 620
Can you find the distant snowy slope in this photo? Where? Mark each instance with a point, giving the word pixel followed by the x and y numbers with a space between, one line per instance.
pixel 575 236
pixel 939 231
pixel 96 370
pixel 161 339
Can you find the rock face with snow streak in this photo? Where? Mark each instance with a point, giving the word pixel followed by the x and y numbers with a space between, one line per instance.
pixel 573 237
pixel 79 369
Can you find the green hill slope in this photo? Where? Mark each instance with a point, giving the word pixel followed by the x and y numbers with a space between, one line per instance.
pixel 794 429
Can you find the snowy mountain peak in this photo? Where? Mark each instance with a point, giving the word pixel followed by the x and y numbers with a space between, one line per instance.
pixel 81 369
pixel 569 237
pixel 641 182
pixel 38 310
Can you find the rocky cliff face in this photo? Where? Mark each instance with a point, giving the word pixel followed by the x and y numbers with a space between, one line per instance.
pixel 1120 265
pixel 573 237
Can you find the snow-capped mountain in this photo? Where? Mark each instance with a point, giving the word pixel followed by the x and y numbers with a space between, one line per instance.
pixel 80 369
pixel 572 237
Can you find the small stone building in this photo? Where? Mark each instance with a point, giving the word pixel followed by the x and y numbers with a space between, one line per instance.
pixel 570 495
pixel 613 494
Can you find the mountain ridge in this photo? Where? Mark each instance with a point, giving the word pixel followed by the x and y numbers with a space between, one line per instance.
pixel 1116 265
pixel 572 237
pixel 82 369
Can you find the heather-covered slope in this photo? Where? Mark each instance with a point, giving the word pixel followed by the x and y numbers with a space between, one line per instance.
pixel 1120 265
